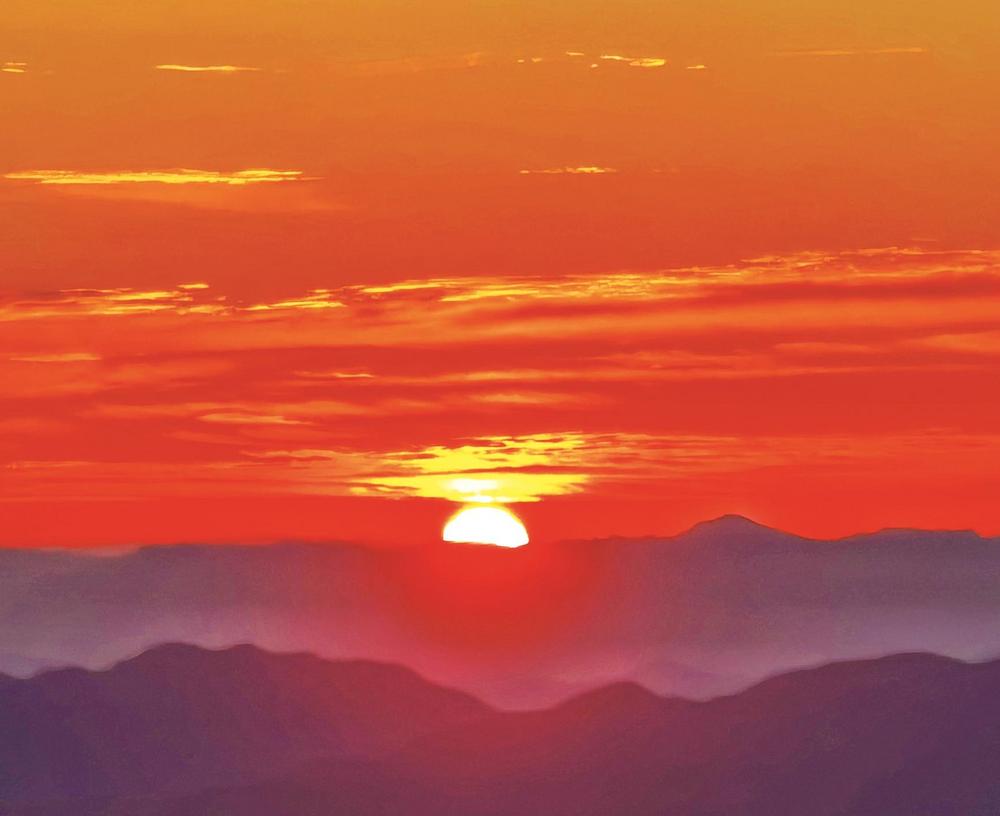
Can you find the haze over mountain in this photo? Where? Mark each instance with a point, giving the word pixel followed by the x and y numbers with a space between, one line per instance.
pixel 183 731
pixel 704 613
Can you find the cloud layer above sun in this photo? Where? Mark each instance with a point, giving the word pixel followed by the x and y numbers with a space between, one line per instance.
pixel 325 269
pixel 623 386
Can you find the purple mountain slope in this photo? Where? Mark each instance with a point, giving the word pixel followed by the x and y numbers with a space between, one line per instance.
pixel 704 613
pixel 184 732
pixel 182 718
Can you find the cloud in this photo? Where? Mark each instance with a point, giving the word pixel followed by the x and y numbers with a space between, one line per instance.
pixel 584 170
pixel 481 59
pixel 493 469
pixel 13 67
pixel 208 69
pixel 634 62
pixel 254 190
pixel 869 270
pixel 966 343
pixel 595 60
pixel 184 299
pixel 798 295
pixel 60 357
pixel 237 418
pixel 315 299
pixel 509 469
pixel 238 178
pixel 335 375
pixel 305 409
pixel 461 388
pixel 106 302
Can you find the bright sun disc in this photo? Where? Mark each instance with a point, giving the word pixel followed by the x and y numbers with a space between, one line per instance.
pixel 486 525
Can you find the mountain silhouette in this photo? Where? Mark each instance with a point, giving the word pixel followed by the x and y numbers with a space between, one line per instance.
pixel 181 731
pixel 733 524
pixel 701 614
pixel 180 718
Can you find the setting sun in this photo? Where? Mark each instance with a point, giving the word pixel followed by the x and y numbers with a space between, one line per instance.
pixel 309 309
pixel 486 525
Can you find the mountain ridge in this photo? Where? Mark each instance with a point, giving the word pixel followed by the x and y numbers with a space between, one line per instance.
pixel 198 717
pixel 708 613
pixel 725 523
pixel 621 689
pixel 835 740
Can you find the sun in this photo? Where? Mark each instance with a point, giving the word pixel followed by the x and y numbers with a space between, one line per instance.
pixel 486 525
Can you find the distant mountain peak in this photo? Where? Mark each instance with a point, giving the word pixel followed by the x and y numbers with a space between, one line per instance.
pixel 733 520
pixel 734 524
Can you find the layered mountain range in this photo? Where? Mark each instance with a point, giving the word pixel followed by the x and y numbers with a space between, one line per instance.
pixel 705 613
pixel 180 730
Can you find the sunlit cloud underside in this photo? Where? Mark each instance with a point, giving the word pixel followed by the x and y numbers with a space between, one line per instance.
pixel 585 170
pixel 238 178
pixel 605 384
pixel 208 69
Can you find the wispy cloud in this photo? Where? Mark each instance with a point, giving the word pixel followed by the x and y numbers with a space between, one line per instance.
pixel 401 389
pixel 106 302
pixel 238 178
pixel 583 170
pixel 810 284
pixel 240 418
pixel 184 299
pixel 13 67
pixel 504 469
pixel 482 59
pixel 335 375
pixel 61 357
pixel 634 62
pixel 314 299
pixel 860 270
pixel 208 69
pixel 595 60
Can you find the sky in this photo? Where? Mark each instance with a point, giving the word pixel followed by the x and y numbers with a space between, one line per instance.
pixel 320 269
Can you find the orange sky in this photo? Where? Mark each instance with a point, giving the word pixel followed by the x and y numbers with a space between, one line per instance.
pixel 322 269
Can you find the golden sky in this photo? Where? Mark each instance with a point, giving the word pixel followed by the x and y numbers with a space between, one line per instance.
pixel 322 269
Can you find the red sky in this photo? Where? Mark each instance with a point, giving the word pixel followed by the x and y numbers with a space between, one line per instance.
pixel 319 269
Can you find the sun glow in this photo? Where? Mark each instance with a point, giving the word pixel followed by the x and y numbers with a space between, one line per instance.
pixel 485 525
